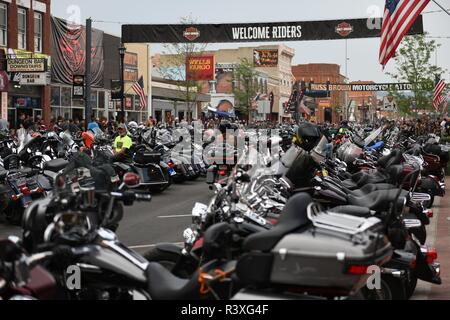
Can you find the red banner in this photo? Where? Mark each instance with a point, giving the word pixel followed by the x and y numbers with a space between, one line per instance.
pixel 200 68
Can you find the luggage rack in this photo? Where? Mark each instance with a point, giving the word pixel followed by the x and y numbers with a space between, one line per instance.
pixel 420 197
pixel 338 221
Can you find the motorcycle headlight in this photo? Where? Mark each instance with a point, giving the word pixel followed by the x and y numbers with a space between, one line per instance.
pixel 190 236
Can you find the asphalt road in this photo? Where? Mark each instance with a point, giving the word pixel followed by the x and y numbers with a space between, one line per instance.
pixel 148 223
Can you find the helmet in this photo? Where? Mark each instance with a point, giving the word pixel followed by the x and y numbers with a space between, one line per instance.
pixel 132 124
pixel 307 136
pixel 224 126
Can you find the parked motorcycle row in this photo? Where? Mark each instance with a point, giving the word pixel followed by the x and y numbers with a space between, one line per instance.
pixel 314 221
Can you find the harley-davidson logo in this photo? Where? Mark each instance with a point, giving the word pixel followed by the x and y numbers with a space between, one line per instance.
pixel 344 29
pixel 191 33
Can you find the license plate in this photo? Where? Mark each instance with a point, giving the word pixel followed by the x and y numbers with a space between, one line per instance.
pixel 172 172
pixel 223 167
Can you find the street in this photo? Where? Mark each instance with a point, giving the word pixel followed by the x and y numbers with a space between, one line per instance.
pixel 168 214
pixel 161 220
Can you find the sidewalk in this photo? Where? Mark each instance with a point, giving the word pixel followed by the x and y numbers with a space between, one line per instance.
pixel 438 237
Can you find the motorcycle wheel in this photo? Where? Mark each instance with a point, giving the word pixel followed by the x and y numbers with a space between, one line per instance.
pixel 397 287
pixel 411 286
pixel 429 204
pixel 382 294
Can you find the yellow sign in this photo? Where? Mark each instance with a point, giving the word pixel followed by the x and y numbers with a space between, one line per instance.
pixel 27 65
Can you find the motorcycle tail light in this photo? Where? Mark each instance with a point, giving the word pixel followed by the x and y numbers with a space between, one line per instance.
pixel 357 269
pixel 222 172
pixel 430 213
pixel 14 197
pixel 171 164
pixel 431 255
pixel 25 191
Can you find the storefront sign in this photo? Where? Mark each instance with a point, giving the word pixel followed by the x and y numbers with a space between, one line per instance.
pixel 265 58
pixel 78 87
pixel 128 102
pixel 4 81
pixel 369 87
pixel 116 87
pixel 324 103
pixel 258 32
pixel 4 110
pixel 26 65
pixel 130 59
pixel 199 68
pixel 34 79
pixel 389 104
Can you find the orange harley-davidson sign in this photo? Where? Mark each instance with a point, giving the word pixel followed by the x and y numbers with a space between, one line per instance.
pixel 200 68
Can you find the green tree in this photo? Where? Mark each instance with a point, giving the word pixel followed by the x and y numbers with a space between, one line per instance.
pixel 173 66
pixel 244 78
pixel 413 65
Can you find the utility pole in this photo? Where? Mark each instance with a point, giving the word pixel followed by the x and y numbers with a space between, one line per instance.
pixel 87 101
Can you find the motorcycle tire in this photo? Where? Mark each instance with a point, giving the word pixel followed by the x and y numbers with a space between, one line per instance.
pixel 411 286
pixel 382 294
pixel 397 286
pixel 430 203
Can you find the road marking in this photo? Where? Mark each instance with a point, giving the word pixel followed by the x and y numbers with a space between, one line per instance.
pixel 175 216
pixel 153 245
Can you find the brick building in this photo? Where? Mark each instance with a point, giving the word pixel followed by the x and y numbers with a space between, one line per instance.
pixel 365 102
pixel 328 109
pixel 24 34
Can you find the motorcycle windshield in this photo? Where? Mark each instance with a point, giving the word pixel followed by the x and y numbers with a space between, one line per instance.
pixel 372 136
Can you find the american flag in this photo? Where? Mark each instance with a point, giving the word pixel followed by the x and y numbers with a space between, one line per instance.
pixel 399 15
pixel 438 97
pixel 138 87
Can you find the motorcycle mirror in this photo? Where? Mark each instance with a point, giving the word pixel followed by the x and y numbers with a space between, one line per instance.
pixel 131 180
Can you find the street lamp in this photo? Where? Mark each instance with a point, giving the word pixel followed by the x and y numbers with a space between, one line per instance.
pixel 122 51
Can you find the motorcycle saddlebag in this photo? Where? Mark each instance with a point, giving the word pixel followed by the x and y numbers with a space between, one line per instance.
pixel 334 252
pixel 147 157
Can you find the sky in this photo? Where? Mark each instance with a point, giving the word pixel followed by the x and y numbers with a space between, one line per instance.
pixel 108 15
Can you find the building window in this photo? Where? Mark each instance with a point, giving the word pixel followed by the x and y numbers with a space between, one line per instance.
pixel 22 28
pixel 101 99
pixel 37 32
pixel 66 97
pixel 56 96
pixel 3 24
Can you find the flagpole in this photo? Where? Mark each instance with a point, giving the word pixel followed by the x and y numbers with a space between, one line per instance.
pixel 445 10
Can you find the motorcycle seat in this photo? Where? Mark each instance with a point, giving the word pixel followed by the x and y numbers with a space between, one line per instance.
pixel 356 211
pixel 56 165
pixel 292 218
pixel 368 188
pixel 378 200
pixel 395 172
pixel 163 285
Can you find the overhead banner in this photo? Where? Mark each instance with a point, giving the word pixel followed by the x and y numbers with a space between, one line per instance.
pixel 258 32
pixel 69 53
pixel 267 58
pixel 369 87
pixel 200 68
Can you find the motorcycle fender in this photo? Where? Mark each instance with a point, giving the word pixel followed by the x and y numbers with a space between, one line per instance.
pixel 432 185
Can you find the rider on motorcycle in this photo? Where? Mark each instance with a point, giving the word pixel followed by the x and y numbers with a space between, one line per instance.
pixel 122 145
